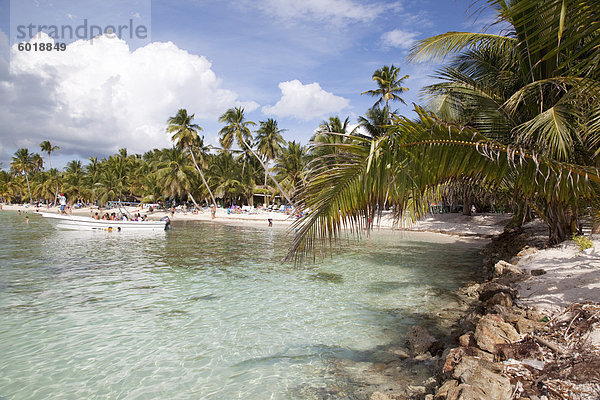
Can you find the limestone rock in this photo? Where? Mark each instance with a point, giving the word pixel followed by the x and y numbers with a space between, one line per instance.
pixel 467 340
pixel 489 289
pixel 500 298
pixel 481 380
pixel 502 267
pixel 419 340
pixel 492 330
pixel 442 392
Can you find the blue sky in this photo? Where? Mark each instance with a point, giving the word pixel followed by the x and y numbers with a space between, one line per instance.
pixel 297 61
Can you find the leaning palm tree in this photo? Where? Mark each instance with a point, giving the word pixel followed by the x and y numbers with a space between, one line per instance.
pixel 413 160
pixel 389 86
pixel 185 136
pixel 269 142
pixel 47 147
pixel 536 86
pixel 22 163
pixel 237 128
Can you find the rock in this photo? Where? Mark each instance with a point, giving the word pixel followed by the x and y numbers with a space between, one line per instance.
pixel 489 289
pixel 455 356
pixel 467 340
pixel 402 353
pixel 502 267
pixel 481 380
pixel 526 325
pixel 492 330
pixel 500 298
pixel 537 272
pixel 442 392
pixel 430 384
pixel 471 290
pixel 428 397
pixel 419 340
pixel 415 390
pixel 379 396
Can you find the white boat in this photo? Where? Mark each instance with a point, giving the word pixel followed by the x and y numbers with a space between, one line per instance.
pixel 78 223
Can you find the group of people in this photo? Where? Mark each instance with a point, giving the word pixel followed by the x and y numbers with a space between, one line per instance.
pixel 122 217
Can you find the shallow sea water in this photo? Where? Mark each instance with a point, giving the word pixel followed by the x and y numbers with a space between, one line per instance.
pixel 204 311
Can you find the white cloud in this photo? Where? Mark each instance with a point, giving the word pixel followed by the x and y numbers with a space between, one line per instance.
pixel 399 38
pixel 344 10
pixel 98 96
pixel 305 101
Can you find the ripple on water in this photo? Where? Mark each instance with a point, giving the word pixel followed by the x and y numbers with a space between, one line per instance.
pixel 204 311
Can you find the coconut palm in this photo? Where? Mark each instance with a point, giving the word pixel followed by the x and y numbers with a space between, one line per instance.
pixel 269 142
pixel 174 173
pixel 533 86
pixel 389 86
pixel 22 163
pixel 185 136
pixel 237 128
pixel 374 122
pixel 291 165
pixel 47 147
pixel 411 161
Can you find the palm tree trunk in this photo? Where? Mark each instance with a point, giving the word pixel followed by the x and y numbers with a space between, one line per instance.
pixel 193 200
pixel 28 188
pixel 202 176
pixel 271 175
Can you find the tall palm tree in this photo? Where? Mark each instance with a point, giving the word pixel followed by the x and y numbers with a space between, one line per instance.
pixel 47 147
pixel 22 163
pixel 185 136
pixel 389 86
pixel 269 142
pixel 238 128
pixel 330 133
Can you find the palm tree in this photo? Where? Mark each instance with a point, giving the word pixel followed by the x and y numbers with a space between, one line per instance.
pixel 534 86
pixel 389 86
pixel 22 163
pixel 291 165
pixel 330 133
pixel 238 128
pixel 185 136
pixel 47 147
pixel 413 160
pixel 269 141
pixel 374 122
pixel 174 173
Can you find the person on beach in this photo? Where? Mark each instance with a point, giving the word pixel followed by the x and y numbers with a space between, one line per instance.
pixel 213 211
pixel 62 200
pixel 96 216
pixel 26 219
pixel 270 221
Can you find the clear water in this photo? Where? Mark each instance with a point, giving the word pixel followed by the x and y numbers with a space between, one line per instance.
pixel 205 311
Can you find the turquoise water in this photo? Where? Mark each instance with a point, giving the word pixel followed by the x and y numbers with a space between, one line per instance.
pixel 205 311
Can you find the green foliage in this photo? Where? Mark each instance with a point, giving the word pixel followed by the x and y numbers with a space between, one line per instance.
pixel 582 242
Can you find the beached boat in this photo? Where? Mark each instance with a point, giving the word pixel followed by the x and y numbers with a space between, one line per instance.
pixel 79 223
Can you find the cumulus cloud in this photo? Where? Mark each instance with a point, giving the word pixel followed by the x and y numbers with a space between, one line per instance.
pixel 98 96
pixel 399 38
pixel 341 10
pixel 305 101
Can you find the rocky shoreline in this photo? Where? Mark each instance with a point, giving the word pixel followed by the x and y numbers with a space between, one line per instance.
pixel 502 349
pixel 486 343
